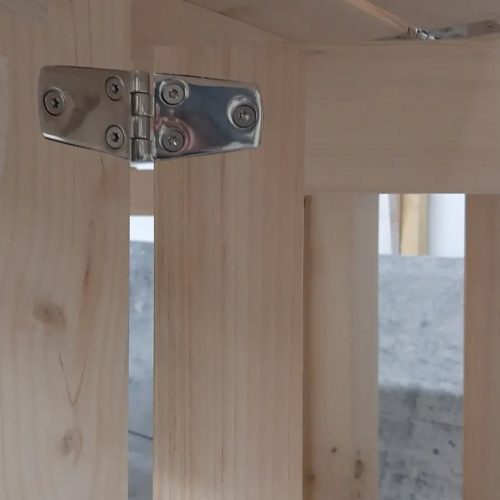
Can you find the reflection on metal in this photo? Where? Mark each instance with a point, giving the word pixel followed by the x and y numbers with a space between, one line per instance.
pixel 202 116
pixel 457 32
pixel 116 112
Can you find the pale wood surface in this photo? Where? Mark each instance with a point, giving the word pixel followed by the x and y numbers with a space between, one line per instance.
pixel 63 274
pixel 141 192
pixel 414 225
pixel 4 112
pixel 31 8
pixel 228 366
pixel 159 22
pixel 312 21
pixel 340 21
pixel 404 117
pixel 482 349
pixel 341 347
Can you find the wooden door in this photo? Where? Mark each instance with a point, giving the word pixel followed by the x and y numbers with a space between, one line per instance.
pixel 63 268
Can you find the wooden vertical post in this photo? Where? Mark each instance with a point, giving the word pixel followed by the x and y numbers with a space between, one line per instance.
pixel 414 225
pixel 228 355
pixel 482 349
pixel 341 347
pixel 63 269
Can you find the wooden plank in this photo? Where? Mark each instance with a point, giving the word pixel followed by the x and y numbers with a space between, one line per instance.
pixel 141 192
pixel 404 117
pixel 63 273
pixel 414 226
pixel 313 21
pixel 31 8
pixel 482 349
pixel 228 353
pixel 341 347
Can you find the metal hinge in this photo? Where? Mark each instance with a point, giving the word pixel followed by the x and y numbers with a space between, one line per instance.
pixel 131 115
pixel 456 32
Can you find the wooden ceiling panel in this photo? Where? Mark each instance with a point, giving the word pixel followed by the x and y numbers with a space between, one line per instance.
pixel 441 13
pixel 312 21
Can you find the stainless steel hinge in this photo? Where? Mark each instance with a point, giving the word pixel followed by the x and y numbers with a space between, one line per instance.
pixel 143 117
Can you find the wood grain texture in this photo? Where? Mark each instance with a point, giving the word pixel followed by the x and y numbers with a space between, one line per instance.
pixel 311 21
pixel 341 347
pixel 159 23
pixel 63 274
pixel 228 352
pixel 414 224
pixel 31 8
pixel 404 117
pixel 141 192
pixel 4 112
pixel 482 349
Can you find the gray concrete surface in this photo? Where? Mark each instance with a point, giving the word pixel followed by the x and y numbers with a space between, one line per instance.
pixel 421 376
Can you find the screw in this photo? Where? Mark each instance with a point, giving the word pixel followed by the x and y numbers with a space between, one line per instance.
pixel 172 140
pixel 54 102
pixel 114 88
pixel 244 116
pixel 173 93
pixel 115 137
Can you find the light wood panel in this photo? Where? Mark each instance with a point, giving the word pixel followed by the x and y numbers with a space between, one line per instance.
pixel 63 273
pixel 482 349
pixel 341 347
pixel 414 226
pixel 404 117
pixel 228 367
pixel 141 192
pixel 160 22
pixel 313 21
pixel 31 8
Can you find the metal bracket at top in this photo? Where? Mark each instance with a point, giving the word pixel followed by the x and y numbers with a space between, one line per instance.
pixel 117 112
pixel 456 32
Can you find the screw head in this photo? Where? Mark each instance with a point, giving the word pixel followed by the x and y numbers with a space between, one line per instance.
pixel 114 88
pixel 54 102
pixel 115 137
pixel 244 116
pixel 173 93
pixel 172 140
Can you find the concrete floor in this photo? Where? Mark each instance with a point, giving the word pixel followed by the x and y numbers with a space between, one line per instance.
pixel 421 376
